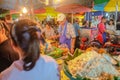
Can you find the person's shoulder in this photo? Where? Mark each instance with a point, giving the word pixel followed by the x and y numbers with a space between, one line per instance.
pixel 75 25
pixel 100 24
pixel 69 24
pixel 47 58
pixel 48 61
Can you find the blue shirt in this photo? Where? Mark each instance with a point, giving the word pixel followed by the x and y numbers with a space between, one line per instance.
pixel 45 69
pixel 77 27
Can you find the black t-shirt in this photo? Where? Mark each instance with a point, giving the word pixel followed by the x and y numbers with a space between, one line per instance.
pixel 7 55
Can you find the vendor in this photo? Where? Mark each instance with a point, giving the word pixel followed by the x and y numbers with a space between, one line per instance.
pixel 48 31
pixel 66 32
pixel 111 27
pixel 77 32
pixel 102 31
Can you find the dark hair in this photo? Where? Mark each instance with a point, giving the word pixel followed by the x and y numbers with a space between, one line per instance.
pixel 84 22
pixel 103 17
pixel 25 35
pixel 2 18
pixel 112 21
pixel 8 17
pixel 49 23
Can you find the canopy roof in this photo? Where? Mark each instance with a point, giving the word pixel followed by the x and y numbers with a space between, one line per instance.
pixel 96 2
pixel 86 3
pixel 111 5
pixel 17 4
pixel 65 6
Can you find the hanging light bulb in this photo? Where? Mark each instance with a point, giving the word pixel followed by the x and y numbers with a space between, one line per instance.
pixel 24 10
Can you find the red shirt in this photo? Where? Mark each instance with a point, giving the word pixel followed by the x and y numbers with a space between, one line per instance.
pixel 101 29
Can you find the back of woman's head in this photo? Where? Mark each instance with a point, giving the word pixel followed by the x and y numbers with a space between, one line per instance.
pixel 25 35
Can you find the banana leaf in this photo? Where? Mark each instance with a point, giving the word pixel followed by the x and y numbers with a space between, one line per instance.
pixel 76 53
pixel 57 53
pixel 117 78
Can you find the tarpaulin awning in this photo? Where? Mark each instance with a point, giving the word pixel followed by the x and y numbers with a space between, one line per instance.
pixel 36 11
pixel 111 5
pixel 86 3
pixel 100 7
pixel 96 2
pixel 73 8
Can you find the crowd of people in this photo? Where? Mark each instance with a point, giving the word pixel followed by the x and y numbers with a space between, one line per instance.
pixel 20 57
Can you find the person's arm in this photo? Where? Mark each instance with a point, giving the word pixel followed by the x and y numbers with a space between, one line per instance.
pixel 54 36
pixel 78 28
pixel 72 45
pixel 73 36
pixel 58 35
pixel 79 32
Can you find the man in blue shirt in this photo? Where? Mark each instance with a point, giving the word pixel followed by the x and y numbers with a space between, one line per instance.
pixel 77 32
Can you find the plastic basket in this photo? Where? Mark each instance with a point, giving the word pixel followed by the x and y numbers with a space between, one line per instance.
pixel 69 75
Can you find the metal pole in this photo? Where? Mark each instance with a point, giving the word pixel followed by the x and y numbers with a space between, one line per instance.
pixel 72 18
pixel 116 14
pixel 88 16
pixel 32 10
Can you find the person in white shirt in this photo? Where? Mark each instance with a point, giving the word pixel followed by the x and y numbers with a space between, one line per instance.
pixel 95 22
pixel 25 37
pixel 48 31
pixel 111 27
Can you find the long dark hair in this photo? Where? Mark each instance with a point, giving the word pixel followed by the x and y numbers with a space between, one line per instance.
pixel 25 34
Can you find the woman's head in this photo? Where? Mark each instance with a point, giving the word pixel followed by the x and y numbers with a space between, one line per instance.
pixel 25 35
pixel 103 19
pixel 111 22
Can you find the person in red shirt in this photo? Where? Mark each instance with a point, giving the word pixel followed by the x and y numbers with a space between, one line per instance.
pixel 102 31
